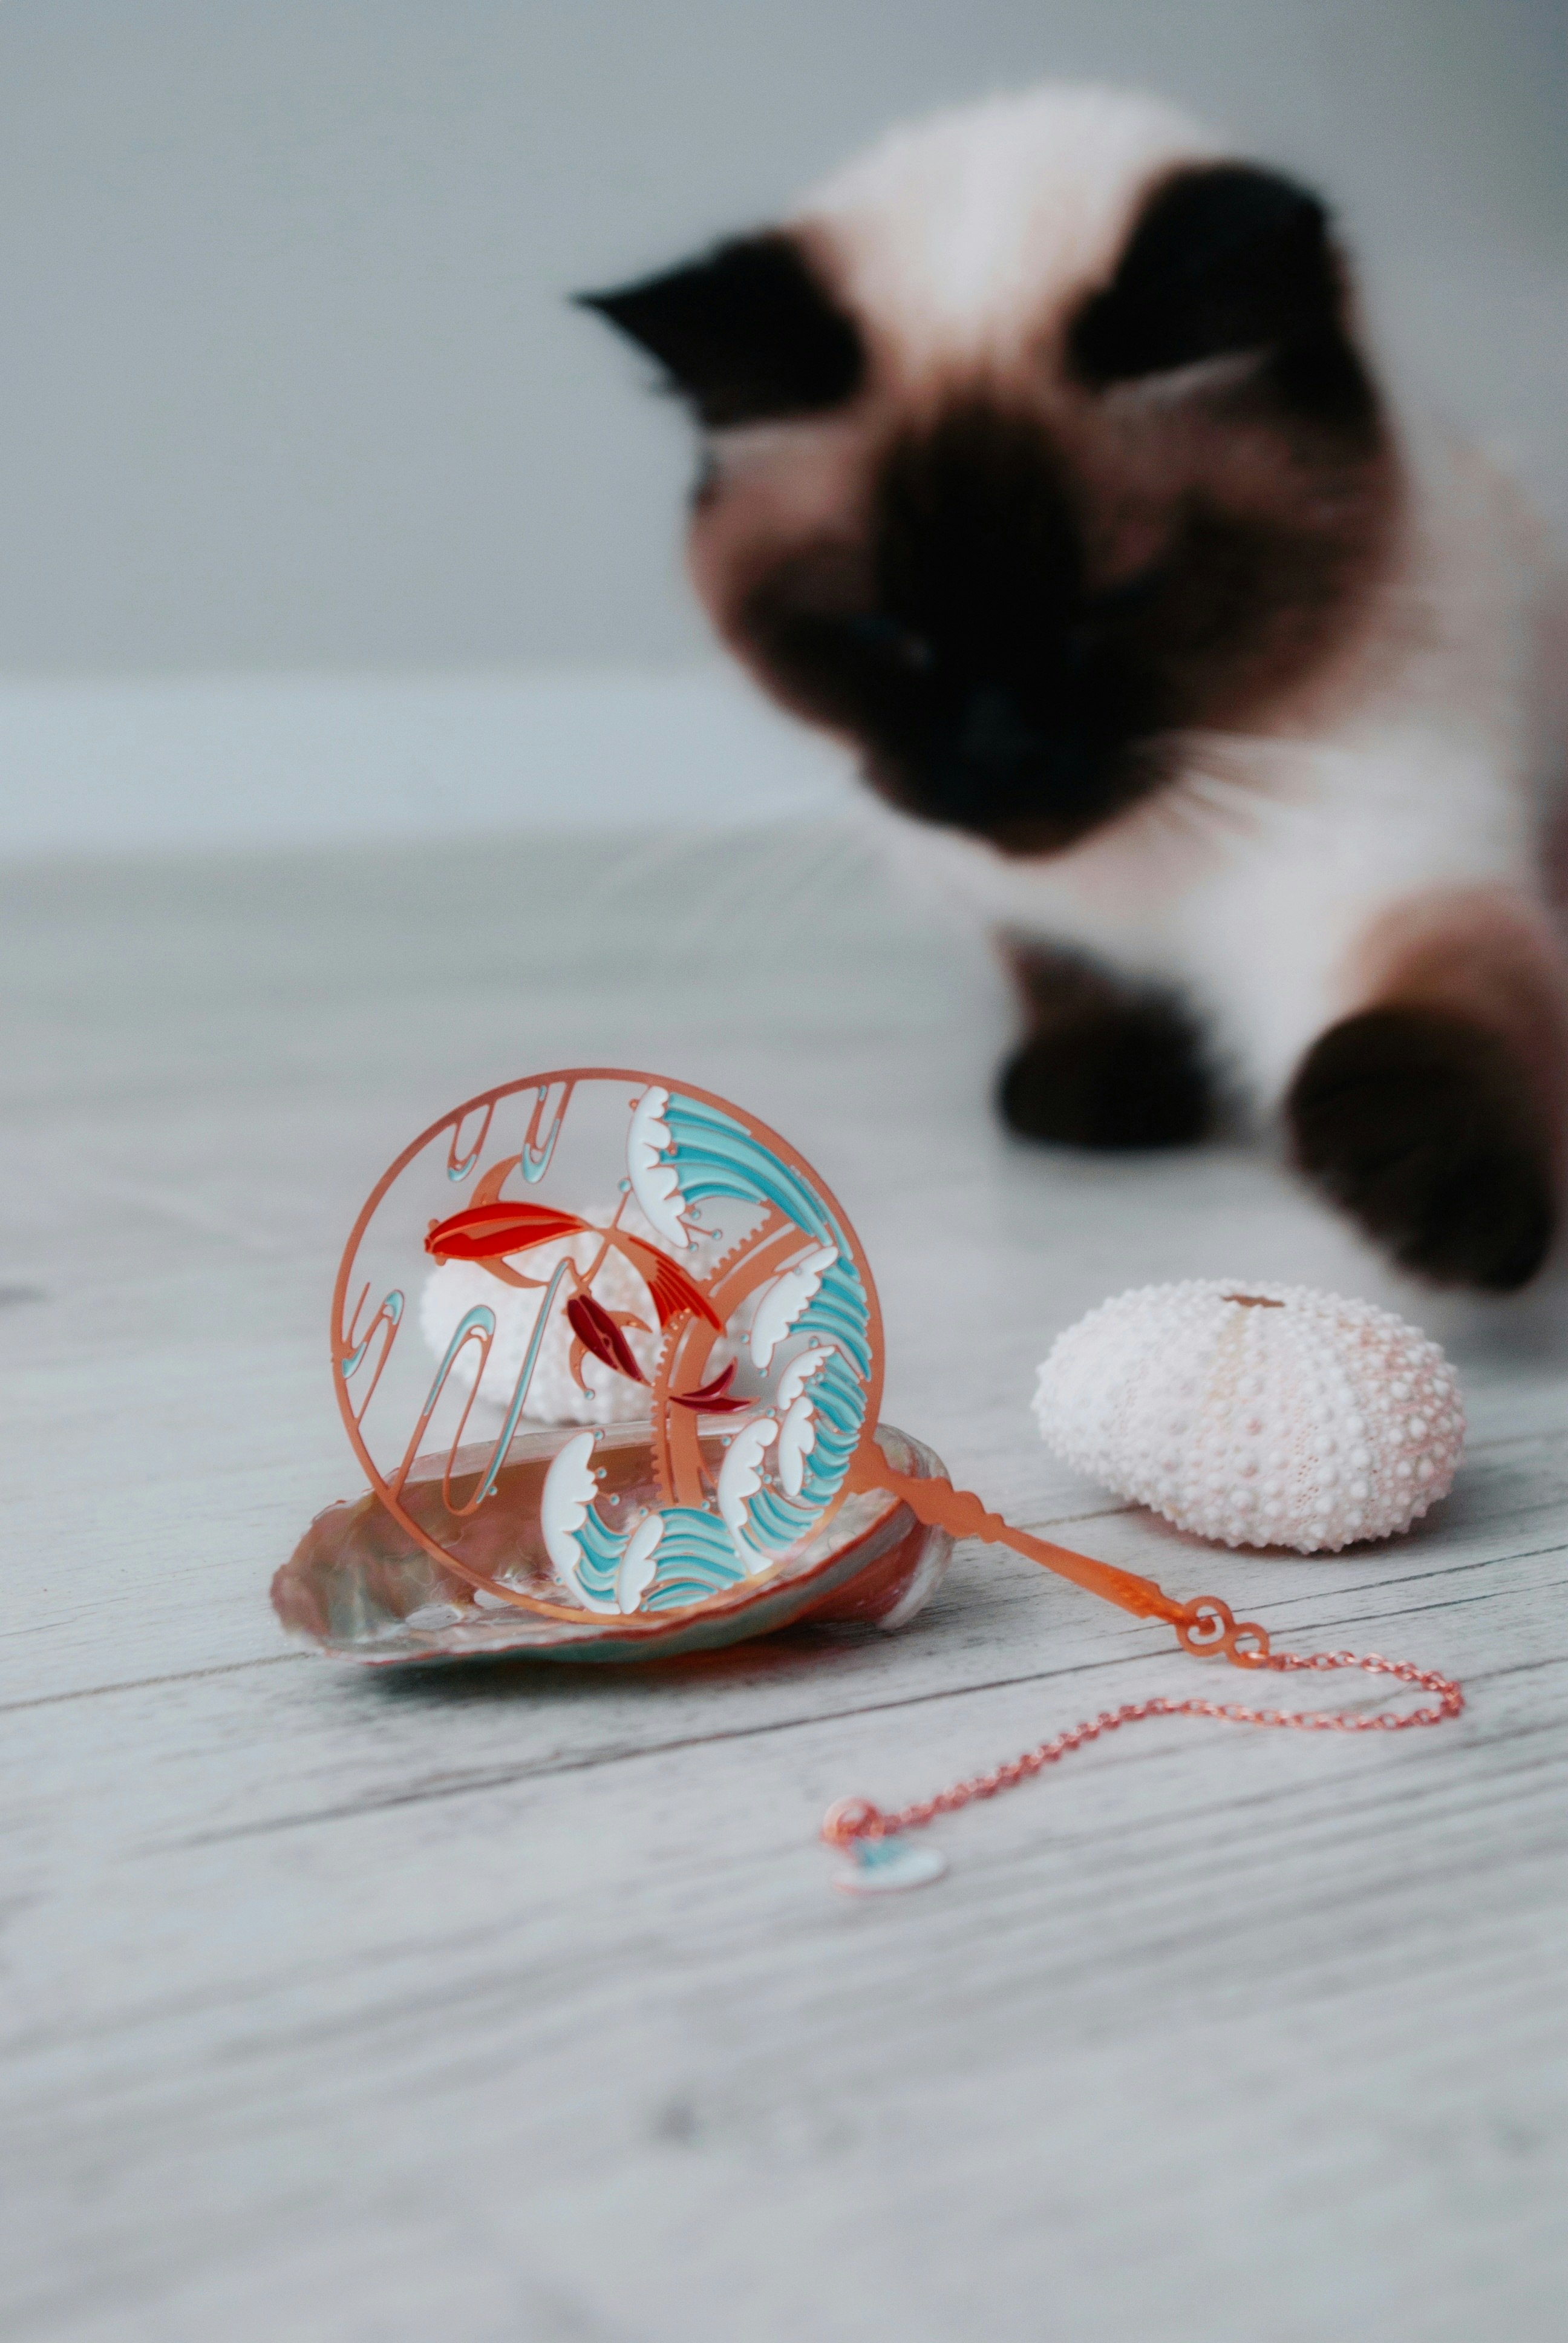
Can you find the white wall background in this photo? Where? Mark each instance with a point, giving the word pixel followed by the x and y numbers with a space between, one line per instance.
pixel 289 382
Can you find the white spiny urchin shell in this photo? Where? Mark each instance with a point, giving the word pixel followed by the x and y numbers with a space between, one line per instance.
pixel 1256 1414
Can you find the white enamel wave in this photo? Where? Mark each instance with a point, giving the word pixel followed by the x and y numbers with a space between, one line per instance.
pixel 655 1182
pixel 604 1572
pixel 639 1563
pixel 741 1478
pixel 783 1301
pixel 798 1429
pixel 609 1573
pixel 569 1490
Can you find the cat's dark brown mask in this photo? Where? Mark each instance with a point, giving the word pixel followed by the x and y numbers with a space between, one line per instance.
pixel 1015 551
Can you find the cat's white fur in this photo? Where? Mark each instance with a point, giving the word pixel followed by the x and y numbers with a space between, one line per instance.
pixel 1425 762
pixel 951 235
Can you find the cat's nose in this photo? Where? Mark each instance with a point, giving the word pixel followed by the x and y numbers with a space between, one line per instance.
pixel 995 736
pixel 1008 762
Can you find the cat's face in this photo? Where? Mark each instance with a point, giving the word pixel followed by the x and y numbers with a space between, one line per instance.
pixel 1033 442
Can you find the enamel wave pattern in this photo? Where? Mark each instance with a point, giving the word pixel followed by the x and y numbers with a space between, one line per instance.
pixel 716 1157
pixel 824 1302
pixel 683 1156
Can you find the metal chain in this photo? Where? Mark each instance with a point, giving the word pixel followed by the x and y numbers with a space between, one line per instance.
pixel 858 1819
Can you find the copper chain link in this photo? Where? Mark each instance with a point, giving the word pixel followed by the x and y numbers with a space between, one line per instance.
pixel 858 1819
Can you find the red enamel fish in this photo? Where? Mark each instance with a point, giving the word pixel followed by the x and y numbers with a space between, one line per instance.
pixel 484 1233
pixel 714 1398
pixel 489 1228
pixel 597 1331
pixel 672 1290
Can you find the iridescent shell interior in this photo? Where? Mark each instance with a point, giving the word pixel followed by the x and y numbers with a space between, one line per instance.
pixel 362 1588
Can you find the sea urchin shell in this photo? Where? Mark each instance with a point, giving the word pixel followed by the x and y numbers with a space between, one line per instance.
pixel 1260 1415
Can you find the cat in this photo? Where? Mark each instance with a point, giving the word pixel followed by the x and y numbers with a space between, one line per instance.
pixel 1045 464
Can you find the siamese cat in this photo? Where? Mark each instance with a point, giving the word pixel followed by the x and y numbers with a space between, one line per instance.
pixel 1044 463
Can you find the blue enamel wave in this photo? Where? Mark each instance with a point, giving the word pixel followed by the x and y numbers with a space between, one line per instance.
pixel 776 1521
pixel 715 1156
pixel 601 1549
pixel 696 1558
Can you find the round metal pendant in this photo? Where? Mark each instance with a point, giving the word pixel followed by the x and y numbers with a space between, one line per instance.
pixel 637 1261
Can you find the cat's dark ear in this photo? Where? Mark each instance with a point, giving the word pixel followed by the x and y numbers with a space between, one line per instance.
pixel 746 333
pixel 1226 258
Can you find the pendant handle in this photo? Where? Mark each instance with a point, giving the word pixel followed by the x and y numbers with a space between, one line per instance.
pixel 1204 1625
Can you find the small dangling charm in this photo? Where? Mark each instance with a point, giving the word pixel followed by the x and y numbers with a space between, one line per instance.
pixel 881 1861
pixel 884 1866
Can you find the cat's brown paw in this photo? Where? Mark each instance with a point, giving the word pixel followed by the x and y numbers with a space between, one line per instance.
pixel 1425 1128
pixel 1116 1073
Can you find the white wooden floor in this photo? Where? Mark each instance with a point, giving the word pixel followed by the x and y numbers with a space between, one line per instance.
pixel 516 2005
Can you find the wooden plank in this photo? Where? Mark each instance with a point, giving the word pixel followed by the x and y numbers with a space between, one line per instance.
pixel 513 2001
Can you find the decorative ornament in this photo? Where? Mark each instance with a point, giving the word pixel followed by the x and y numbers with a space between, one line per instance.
pixel 1255 1414
pixel 575 1378
pixel 727 1298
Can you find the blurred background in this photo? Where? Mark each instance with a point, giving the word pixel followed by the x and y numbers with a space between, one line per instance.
pixel 326 515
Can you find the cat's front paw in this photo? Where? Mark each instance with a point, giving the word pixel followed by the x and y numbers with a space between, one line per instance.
pixel 1114 1074
pixel 1425 1127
